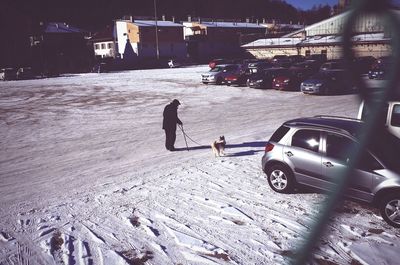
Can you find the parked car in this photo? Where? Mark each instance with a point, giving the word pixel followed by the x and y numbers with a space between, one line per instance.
pixel 364 63
pixel 217 74
pixel 255 67
pixel 379 69
pixel 263 79
pixel 390 116
pixel 327 83
pixel 238 78
pixel 311 65
pixel 290 79
pixel 317 57
pixel 332 65
pixel 8 74
pixel 25 73
pixel 281 61
pixel 315 151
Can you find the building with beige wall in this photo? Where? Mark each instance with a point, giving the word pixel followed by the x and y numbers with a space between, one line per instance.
pixel 371 38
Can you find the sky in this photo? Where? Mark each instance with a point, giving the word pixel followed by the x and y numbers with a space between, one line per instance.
pixel 308 4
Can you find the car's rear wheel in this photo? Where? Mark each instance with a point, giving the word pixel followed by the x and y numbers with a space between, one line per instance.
pixel 280 179
pixel 390 209
pixel 219 81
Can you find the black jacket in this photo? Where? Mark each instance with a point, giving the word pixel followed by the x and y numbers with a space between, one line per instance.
pixel 170 117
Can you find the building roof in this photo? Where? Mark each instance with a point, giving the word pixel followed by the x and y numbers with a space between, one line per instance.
pixel 273 42
pixel 316 40
pixel 230 24
pixel 152 23
pixel 55 27
pixel 332 39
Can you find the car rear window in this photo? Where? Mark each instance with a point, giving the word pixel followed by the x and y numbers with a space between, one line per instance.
pixel 278 134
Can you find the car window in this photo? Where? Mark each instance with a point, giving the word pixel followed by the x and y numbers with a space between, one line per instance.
pixel 216 69
pixel 395 121
pixel 339 147
pixel 278 134
pixel 307 139
pixel 336 146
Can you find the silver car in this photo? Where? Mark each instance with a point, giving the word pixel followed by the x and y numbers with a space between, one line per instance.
pixel 217 74
pixel 315 151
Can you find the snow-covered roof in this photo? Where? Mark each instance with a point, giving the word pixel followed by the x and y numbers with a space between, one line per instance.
pixel 152 23
pixel 315 40
pixel 273 42
pixel 215 24
pixel 366 37
pixel 54 27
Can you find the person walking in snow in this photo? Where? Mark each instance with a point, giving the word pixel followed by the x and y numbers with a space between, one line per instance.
pixel 170 120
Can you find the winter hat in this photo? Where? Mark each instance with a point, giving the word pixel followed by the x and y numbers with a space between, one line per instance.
pixel 176 102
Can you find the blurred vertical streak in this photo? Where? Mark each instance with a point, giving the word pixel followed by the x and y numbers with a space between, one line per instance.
pixel 374 102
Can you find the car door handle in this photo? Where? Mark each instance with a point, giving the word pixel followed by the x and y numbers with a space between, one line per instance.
pixel 328 164
pixel 289 154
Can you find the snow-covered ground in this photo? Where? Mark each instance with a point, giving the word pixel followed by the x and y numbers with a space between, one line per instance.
pixel 85 177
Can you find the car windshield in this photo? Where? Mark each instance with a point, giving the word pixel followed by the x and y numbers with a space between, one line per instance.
pixel 217 69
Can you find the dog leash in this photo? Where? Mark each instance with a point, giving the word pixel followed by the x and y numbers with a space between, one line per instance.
pixel 185 135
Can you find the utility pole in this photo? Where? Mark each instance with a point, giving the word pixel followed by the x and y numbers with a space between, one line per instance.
pixel 155 19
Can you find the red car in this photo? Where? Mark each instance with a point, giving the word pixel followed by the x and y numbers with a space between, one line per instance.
pixel 288 80
pixel 238 78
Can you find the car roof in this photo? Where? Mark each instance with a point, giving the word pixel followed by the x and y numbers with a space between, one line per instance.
pixel 342 124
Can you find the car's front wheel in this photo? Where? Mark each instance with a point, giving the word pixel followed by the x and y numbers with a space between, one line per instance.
pixel 390 209
pixel 280 179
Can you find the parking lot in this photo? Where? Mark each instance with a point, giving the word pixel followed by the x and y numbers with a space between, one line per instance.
pixel 84 155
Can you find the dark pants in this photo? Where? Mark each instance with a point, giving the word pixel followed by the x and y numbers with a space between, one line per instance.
pixel 170 137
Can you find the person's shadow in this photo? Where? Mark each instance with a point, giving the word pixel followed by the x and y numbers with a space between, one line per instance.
pixel 259 145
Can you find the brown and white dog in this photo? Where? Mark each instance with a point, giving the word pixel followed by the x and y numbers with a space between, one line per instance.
pixel 218 146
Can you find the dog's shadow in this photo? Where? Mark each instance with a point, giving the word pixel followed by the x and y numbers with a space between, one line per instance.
pixel 231 146
pixel 257 145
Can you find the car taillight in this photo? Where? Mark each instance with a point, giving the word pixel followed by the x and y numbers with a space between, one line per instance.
pixel 268 147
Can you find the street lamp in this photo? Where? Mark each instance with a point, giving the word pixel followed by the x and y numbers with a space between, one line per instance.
pixel 155 19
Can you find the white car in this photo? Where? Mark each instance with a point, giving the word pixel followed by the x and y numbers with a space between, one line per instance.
pixel 217 74
pixel 391 116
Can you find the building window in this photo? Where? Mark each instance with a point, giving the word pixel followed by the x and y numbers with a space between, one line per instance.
pixel 308 52
pixel 110 45
pixel 96 46
pixel 103 46
pixel 324 52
